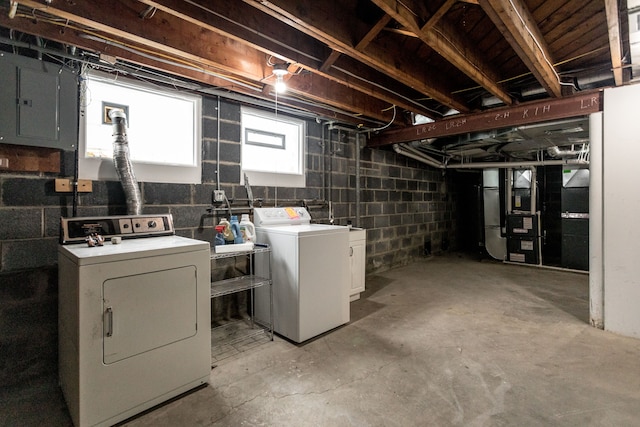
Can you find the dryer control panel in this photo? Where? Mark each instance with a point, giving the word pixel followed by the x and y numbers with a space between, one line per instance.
pixel 76 230
pixel 280 216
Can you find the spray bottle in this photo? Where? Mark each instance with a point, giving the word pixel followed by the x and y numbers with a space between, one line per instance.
pixel 219 239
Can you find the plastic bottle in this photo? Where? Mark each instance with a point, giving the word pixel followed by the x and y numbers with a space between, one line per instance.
pixel 247 228
pixel 226 231
pixel 235 228
pixel 219 239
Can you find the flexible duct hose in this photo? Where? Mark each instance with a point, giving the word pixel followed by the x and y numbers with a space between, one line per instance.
pixel 123 164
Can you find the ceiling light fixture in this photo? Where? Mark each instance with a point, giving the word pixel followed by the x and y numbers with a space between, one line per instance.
pixel 280 70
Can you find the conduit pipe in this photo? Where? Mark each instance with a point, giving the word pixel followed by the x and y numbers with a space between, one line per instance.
pixel 122 162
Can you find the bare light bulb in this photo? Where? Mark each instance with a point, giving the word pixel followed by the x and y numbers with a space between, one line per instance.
pixel 280 70
pixel 280 86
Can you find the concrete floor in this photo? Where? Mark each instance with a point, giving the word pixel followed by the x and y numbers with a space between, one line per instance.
pixel 446 341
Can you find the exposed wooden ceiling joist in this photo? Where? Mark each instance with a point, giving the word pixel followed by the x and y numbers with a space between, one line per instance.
pixel 514 20
pixel 232 20
pixel 317 19
pixel 351 60
pixel 615 42
pixel 181 41
pixel 449 44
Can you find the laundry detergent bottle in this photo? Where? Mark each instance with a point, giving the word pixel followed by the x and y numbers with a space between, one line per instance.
pixel 226 231
pixel 219 239
pixel 247 229
pixel 235 228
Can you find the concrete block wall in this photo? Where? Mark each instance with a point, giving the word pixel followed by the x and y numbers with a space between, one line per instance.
pixel 403 204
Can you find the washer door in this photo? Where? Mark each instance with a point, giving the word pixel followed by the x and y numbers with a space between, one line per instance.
pixel 145 311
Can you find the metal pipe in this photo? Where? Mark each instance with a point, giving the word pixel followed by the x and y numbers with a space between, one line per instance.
pixel 534 190
pixel 596 215
pixel 218 145
pixel 416 155
pixel 323 144
pixel 330 177
pixel 483 165
pixel 557 152
pixel 509 185
pixel 357 224
pixel 122 162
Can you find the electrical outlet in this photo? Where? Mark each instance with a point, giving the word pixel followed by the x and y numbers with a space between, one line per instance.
pixel 218 195
pixel 63 185
pixel 85 186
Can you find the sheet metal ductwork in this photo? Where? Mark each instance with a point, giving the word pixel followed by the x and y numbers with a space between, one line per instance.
pixel 122 162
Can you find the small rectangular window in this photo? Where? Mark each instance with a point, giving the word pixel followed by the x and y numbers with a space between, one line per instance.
pixel 163 130
pixel 273 149
pixel 264 139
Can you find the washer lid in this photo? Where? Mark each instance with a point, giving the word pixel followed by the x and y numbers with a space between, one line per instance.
pixel 303 229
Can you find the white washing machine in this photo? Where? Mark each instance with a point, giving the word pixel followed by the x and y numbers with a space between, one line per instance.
pixel 310 272
pixel 134 318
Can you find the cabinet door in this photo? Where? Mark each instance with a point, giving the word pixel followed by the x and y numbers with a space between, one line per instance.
pixel 358 256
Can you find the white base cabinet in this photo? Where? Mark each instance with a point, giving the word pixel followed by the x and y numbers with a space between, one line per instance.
pixel 358 258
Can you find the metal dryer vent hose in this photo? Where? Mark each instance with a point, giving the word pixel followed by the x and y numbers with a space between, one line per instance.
pixel 123 164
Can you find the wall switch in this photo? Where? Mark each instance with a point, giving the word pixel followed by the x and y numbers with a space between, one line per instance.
pixel 4 163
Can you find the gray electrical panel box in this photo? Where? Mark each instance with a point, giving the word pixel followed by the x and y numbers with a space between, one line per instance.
pixel 38 103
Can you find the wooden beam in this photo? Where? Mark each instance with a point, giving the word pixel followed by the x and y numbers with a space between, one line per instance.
pixel 514 20
pixel 318 19
pixel 522 114
pixel 181 41
pixel 331 59
pixel 247 25
pixel 449 44
pixel 615 40
pixel 433 20
pixel 373 32
pixel 313 93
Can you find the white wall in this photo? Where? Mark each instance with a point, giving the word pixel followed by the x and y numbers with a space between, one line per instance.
pixel 621 213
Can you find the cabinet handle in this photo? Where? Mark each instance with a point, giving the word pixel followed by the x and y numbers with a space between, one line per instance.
pixel 350 250
pixel 108 317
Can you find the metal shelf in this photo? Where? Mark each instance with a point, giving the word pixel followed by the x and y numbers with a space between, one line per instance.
pixel 237 284
pixel 257 249
pixel 243 283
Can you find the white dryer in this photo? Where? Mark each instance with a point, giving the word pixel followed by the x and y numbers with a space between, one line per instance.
pixel 310 272
pixel 133 318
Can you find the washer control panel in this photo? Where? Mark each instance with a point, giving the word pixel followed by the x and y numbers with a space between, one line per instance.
pixel 76 230
pixel 280 216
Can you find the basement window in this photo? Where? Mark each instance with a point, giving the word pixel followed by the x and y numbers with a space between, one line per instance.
pixel 164 130
pixel 272 149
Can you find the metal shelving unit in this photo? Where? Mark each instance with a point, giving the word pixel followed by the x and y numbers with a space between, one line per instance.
pixel 231 334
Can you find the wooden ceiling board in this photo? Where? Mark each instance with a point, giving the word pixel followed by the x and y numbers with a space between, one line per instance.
pixel 452 62
pixel 575 21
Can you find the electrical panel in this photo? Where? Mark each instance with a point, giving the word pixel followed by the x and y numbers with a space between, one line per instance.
pixel 39 103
